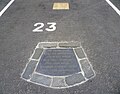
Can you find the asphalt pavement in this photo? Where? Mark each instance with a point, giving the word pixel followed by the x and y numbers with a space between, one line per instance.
pixel 93 23
pixel 116 3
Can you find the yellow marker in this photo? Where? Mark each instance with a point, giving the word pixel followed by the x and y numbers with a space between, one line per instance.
pixel 61 6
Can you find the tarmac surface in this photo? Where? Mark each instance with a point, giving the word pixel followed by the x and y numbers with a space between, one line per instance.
pixel 92 22
pixel 116 3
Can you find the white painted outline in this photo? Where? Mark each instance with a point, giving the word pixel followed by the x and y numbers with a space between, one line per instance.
pixel 113 6
pixel 78 59
pixel 6 7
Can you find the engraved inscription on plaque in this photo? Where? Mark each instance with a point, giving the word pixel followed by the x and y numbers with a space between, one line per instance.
pixel 58 62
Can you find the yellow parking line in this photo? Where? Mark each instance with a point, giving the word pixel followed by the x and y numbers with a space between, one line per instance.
pixel 61 6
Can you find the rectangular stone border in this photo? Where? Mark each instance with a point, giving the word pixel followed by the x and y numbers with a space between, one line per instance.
pixel 49 46
pixel 30 59
pixel 72 44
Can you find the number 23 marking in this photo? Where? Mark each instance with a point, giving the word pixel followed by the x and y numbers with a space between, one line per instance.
pixel 39 26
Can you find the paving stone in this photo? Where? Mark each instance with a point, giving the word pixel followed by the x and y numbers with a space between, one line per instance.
pixel 74 79
pixel 58 62
pixel 48 45
pixel 80 53
pixel 70 44
pixel 87 68
pixel 29 69
pixel 37 53
pixel 40 79
pixel 58 82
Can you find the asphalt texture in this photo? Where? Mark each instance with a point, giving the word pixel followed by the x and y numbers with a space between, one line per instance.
pixel 116 3
pixel 3 3
pixel 92 22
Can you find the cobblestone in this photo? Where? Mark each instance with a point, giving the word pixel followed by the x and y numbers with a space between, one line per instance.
pixel 40 79
pixel 58 82
pixel 37 53
pixel 74 79
pixel 87 68
pixel 69 44
pixel 29 69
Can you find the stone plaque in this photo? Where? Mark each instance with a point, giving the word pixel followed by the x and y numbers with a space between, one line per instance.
pixel 58 62
pixel 58 65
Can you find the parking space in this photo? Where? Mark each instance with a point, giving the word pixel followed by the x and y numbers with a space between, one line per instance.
pixel 92 23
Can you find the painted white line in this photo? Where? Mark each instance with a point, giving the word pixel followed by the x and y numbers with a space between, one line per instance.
pixel 113 6
pixel 6 7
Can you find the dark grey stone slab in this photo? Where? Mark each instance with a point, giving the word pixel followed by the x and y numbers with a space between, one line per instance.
pixel 29 69
pixel 40 79
pixel 58 82
pixel 48 45
pixel 58 62
pixel 74 79
pixel 37 53
pixel 70 44
pixel 87 68
pixel 80 53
